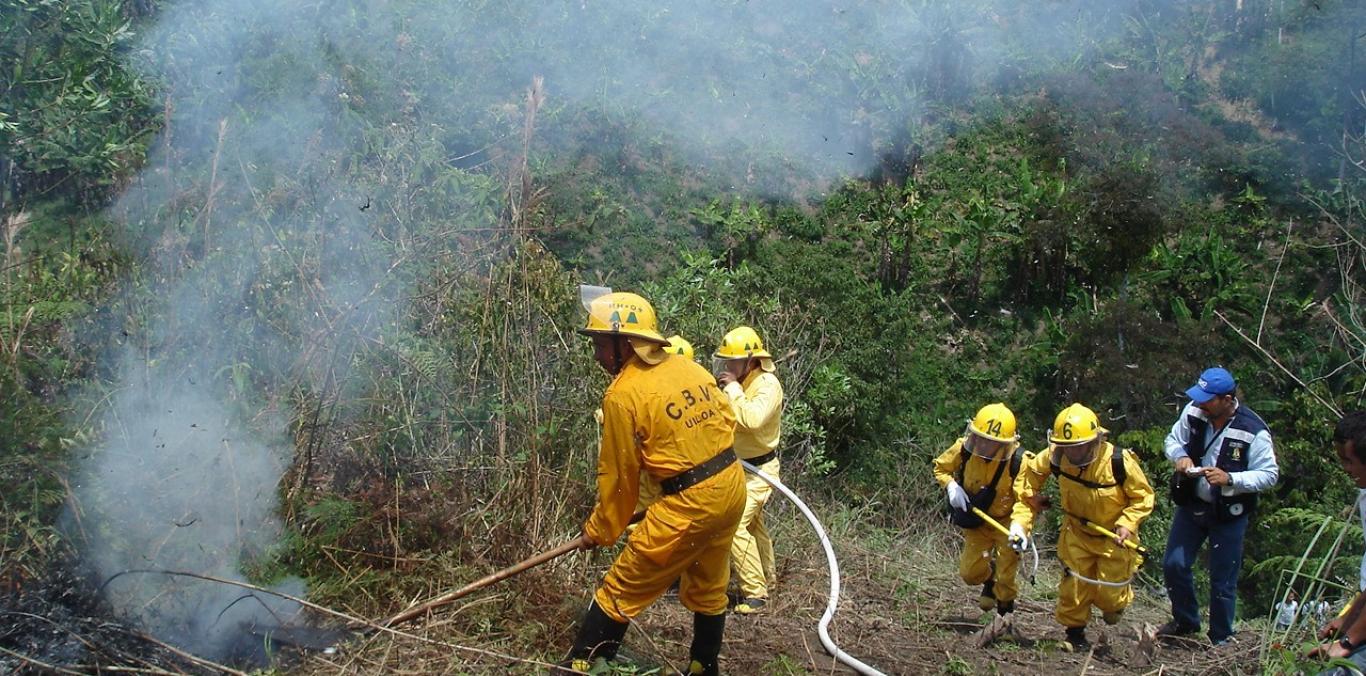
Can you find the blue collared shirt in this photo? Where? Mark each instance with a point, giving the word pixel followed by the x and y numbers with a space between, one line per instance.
pixel 1261 472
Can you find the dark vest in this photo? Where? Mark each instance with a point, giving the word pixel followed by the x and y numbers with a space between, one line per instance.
pixel 1234 449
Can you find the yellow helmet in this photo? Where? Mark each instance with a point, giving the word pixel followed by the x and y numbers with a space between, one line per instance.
pixel 624 314
pixel 995 422
pixel 1075 424
pixel 741 343
pixel 679 345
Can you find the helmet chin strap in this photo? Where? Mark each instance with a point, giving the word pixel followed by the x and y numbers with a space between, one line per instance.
pixel 618 360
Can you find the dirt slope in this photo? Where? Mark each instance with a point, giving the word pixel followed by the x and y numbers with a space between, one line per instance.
pixel 903 610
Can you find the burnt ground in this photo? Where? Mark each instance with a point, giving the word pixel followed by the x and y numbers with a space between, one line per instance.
pixel 59 624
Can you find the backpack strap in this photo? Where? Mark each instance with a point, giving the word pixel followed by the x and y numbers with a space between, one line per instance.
pixel 1116 468
pixel 1000 469
pixel 1016 459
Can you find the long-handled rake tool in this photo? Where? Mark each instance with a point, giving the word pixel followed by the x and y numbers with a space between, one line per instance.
pixel 515 569
pixel 492 578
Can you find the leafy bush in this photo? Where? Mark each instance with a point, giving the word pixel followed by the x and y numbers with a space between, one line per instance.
pixel 71 114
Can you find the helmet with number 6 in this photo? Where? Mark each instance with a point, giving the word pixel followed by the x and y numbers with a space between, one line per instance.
pixel 1074 425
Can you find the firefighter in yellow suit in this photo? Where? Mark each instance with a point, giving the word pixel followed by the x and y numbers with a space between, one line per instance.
pixel 649 488
pixel 745 372
pixel 1099 485
pixel 979 470
pixel 666 416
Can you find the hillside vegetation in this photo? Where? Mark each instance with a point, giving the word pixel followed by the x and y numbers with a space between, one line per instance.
pixel 354 232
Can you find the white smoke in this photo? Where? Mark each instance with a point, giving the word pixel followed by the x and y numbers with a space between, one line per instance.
pixel 285 119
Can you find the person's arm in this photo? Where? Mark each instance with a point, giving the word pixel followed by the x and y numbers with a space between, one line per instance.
pixel 618 476
pixel 1262 471
pixel 1175 444
pixel 1349 624
pixel 1034 471
pixel 754 409
pixel 946 465
pixel 1140 494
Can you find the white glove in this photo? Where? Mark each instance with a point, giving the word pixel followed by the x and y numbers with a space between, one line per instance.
pixel 957 496
pixel 1018 538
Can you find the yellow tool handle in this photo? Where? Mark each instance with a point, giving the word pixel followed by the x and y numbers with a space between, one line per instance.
pixel 990 521
pixel 1115 536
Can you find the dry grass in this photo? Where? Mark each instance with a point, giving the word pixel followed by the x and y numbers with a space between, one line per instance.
pixel 903 610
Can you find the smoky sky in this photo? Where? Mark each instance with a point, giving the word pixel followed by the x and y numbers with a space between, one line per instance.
pixel 814 82
pixel 276 205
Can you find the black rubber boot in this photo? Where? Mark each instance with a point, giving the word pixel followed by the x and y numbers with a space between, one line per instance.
pixel 599 636
pixel 705 653
pixel 1076 639
pixel 1005 607
pixel 987 599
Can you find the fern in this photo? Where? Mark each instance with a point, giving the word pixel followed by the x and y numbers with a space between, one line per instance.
pixel 426 361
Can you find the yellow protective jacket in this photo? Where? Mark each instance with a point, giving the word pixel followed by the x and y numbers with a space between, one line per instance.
pixel 664 419
pixel 757 404
pixel 977 474
pixel 1112 507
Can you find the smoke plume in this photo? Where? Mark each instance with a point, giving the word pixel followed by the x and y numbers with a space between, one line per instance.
pixel 280 205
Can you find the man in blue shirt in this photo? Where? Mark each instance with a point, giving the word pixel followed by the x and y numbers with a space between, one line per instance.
pixel 1223 457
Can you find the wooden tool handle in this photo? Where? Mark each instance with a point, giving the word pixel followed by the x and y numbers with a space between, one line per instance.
pixel 428 606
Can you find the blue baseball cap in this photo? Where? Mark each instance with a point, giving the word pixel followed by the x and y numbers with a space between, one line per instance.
pixel 1214 382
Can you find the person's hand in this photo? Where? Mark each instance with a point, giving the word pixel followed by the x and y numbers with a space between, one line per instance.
pixel 726 378
pixel 1217 477
pixel 1336 651
pixel 1018 538
pixel 1122 534
pixel 1332 651
pixel 1038 503
pixel 586 543
pixel 1184 463
pixel 957 496
pixel 1332 628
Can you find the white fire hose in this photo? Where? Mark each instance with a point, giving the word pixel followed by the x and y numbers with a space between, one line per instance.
pixel 823 627
pixel 1101 583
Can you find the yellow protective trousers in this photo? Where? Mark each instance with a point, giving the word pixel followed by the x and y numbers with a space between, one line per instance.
pixel 751 552
pixel 982 547
pixel 684 537
pixel 1098 558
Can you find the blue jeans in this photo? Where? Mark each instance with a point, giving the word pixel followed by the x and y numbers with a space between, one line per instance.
pixel 1225 560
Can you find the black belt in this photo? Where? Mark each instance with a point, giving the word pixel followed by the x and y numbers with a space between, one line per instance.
pixel 689 478
pixel 763 459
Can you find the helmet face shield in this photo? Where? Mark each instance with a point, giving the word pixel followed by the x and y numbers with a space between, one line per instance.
pixel 1080 454
pixel 982 447
pixel 721 365
pixel 589 293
